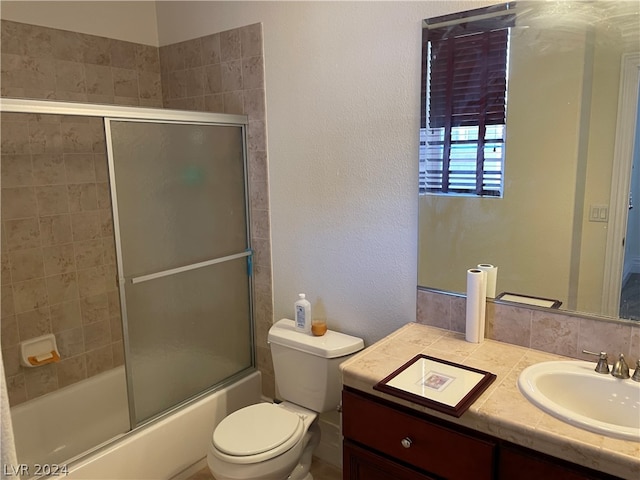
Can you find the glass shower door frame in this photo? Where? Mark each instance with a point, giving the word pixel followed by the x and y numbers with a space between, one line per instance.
pixel 121 279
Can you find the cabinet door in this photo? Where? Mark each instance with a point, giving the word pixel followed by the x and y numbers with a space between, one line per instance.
pixel 520 464
pixel 415 440
pixel 361 464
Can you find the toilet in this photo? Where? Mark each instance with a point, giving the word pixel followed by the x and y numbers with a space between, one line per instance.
pixel 275 441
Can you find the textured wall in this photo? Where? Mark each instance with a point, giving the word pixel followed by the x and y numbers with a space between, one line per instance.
pixel 342 84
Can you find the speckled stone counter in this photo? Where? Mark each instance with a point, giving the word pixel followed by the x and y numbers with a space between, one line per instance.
pixel 501 411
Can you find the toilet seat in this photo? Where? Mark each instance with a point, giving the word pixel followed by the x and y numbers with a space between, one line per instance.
pixel 256 433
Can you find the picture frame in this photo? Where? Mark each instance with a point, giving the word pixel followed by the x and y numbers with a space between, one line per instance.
pixel 444 386
pixel 529 300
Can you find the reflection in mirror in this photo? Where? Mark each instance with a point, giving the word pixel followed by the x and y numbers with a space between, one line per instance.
pixel 560 226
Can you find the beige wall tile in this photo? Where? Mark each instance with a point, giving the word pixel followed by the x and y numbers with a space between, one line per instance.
pixel 192 51
pixel 22 233
pixel 16 170
pixel 16 389
pixel 213 79
pixel 210 49
pixel 234 102
pixel 99 360
pixel 7 305
pixel 44 137
pixel 52 199
pixel 95 50
pixel 89 253
pixel 82 197
pixel 9 332
pixel 147 59
pixel 99 80
pixel 253 72
pixel 70 77
pixel 231 75
pixel 40 381
pixel 70 342
pixel 5 268
pixel 125 82
pixel 254 103
pixel 26 264
pixel 71 370
pixel 79 167
pixel 65 316
pixel 101 168
pixel 29 295
pixel 15 139
pixel 11 357
pixel 55 229
pixel 86 226
pixel 48 169
pixel 230 45
pixel 598 336
pixel 251 40
pixel 33 323
pixel 123 54
pixel 62 288
pixel 19 202
pixel 150 86
pixel 95 308
pixel 91 281
pixel 59 259
pixel 96 335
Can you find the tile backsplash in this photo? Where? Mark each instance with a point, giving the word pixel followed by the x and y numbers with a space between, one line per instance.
pixel 57 256
pixel 553 331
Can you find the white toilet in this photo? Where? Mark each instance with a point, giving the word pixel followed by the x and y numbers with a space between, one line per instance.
pixel 269 441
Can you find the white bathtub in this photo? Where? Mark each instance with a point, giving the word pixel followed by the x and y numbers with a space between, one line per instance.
pixel 55 427
pixel 58 426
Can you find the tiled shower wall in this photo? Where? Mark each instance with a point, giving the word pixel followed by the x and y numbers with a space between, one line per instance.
pixel 58 250
pixel 221 73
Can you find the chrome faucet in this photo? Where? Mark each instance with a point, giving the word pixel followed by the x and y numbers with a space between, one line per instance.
pixel 602 366
pixel 620 368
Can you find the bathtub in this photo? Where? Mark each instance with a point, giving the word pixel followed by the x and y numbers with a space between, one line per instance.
pixel 56 427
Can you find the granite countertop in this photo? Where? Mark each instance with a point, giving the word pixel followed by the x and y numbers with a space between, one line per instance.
pixel 501 411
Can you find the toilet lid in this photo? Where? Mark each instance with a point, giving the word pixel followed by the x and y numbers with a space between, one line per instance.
pixel 255 429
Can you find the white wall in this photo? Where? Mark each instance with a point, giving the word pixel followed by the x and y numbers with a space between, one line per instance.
pixel 342 87
pixel 129 21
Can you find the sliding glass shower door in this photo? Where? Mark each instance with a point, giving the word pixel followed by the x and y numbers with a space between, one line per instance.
pixel 180 215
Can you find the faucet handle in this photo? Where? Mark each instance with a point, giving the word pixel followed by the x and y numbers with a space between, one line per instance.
pixel 602 366
pixel 620 368
pixel 636 374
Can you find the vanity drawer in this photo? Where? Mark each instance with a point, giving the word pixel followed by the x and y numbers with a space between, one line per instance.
pixel 427 446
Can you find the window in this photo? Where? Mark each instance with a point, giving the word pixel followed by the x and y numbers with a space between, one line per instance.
pixel 464 85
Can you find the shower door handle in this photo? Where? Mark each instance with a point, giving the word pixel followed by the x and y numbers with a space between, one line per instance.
pixel 186 268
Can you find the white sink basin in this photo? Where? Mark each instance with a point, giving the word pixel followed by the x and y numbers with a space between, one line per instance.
pixel 573 392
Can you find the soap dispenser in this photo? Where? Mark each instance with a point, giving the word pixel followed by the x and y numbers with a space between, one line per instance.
pixel 303 314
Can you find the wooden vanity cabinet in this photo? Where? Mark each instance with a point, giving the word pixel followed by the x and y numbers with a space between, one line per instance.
pixel 385 441
pixel 388 442
pixel 520 463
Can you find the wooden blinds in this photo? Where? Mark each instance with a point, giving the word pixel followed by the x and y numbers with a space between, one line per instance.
pixel 467 69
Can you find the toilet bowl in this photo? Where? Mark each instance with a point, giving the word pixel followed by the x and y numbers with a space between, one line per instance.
pixel 270 441
pixel 265 441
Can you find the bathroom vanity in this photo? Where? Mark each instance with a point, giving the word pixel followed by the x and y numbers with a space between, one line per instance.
pixel 501 436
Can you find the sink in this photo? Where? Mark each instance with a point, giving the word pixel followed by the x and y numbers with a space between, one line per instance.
pixel 574 393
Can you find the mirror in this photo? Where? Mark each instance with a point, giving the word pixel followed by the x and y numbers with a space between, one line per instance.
pixel 560 229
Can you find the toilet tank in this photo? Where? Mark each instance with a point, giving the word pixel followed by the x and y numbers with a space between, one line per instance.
pixel 306 367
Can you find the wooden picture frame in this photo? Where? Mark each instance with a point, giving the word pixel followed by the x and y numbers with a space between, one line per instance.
pixel 444 386
pixel 529 300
